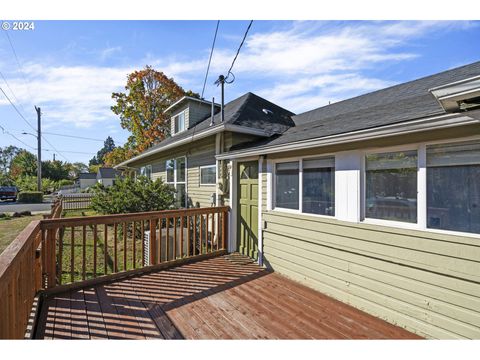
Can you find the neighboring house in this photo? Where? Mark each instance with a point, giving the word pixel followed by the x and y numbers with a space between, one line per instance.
pixel 86 180
pixel 106 176
pixel 374 200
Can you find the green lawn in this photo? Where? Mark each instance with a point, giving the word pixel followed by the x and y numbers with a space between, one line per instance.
pixel 11 227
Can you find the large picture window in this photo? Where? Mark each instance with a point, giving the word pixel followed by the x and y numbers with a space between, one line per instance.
pixel 453 187
pixel 287 185
pixel 176 176
pixel 391 186
pixel 319 186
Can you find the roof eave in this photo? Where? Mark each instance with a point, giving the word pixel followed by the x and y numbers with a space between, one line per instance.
pixel 437 122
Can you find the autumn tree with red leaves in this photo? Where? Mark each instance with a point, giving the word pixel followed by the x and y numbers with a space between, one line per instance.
pixel 147 94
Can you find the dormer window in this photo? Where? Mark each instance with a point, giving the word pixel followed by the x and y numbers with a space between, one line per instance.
pixel 179 122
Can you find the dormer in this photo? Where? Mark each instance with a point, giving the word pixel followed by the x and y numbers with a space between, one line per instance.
pixel 187 112
pixel 461 95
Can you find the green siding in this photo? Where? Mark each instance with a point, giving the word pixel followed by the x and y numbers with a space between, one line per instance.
pixel 426 282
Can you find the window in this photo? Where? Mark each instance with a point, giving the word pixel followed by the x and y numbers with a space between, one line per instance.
pixel 319 186
pixel 179 122
pixel 208 175
pixel 453 187
pixel 176 176
pixel 391 186
pixel 146 171
pixel 287 185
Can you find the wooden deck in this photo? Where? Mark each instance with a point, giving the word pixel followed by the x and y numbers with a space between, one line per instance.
pixel 221 298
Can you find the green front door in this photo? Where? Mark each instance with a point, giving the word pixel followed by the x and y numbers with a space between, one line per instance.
pixel 247 222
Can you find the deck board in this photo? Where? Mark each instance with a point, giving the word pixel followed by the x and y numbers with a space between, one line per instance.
pixel 226 297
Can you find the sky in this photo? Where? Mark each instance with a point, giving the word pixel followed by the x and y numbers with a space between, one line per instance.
pixel 71 68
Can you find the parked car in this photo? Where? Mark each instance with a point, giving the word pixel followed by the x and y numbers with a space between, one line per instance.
pixel 8 193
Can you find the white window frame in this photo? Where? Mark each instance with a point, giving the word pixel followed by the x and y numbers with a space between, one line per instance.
pixel 421 223
pixel 421 184
pixel 177 116
pixel 273 166
pixel 145 167
pixel 175 182
pixel 200 175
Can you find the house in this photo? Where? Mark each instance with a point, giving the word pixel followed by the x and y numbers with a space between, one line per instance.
pixel 106 176
pixel 373 200
pixel 86 180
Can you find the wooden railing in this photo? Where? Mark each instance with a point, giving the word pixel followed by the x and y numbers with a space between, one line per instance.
pixel 20 280
pixel 86 250
pixel 76 201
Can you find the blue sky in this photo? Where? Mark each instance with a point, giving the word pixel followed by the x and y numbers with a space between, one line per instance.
pixel 70 68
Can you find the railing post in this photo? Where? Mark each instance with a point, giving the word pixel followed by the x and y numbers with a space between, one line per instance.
pixel 50 258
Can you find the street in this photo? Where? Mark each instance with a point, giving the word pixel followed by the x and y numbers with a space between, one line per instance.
pixel 10 206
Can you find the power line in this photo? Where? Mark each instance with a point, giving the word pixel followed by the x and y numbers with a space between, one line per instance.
pixel 16 109
pixel 210 59
pixel 54 148
pixel 73 136
pixel 229 72
pixel 16 138
pixel 73 152
pixel 18 64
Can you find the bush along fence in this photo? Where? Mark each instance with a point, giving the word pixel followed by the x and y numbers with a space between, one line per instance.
pixel 76 201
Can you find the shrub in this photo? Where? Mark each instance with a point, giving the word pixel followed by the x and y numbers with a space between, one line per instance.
pixel 130 196
pixel 64 182
pixel 30 197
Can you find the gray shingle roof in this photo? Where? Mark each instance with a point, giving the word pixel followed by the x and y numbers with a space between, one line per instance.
pixel 87 176
pixel 246 111
pixel 107 173
pixel 399 103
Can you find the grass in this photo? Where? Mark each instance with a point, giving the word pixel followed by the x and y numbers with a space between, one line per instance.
pixel 11 227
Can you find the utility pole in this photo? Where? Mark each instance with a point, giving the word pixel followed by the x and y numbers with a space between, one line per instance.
pixel 53 156
pixel 39 148
pixel 221 81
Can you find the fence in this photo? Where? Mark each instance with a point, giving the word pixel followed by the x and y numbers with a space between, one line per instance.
pixel 76 201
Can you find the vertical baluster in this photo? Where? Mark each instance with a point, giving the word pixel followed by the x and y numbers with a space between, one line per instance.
pixel 60 256
pixel 201 234
pixel 188 235
pixel 95 250
pixel 218 230
pixel 72 255
pixel 194 235
pixel 124 246
pixel 213 230
pixel 115 233
pixel 181 236
pixel 160 226
pixel 153 235
pixel 134 237
pixel 174 237
pixel 167 238
pixel 105 255
pixel 207 232
pixel 84 252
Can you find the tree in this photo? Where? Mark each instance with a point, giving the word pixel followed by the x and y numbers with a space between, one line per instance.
pixel 23 164
pixel 141 108
pixel 6 155
pixel 119 155
pixel 76 168
pixel 108 146
pixel 55 170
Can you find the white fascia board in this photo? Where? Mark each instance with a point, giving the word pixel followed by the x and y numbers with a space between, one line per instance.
pixel 196 136
pixel 188 98
pixel 437 122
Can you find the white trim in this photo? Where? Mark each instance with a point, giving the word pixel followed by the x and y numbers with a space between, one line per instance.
pixel 422 185
pixel 175 182
pixel 216 175
pixel 437 122
pixel 233 206
pixel 188 98
pixel 173 118
pixel 260 204
pixel 269 185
